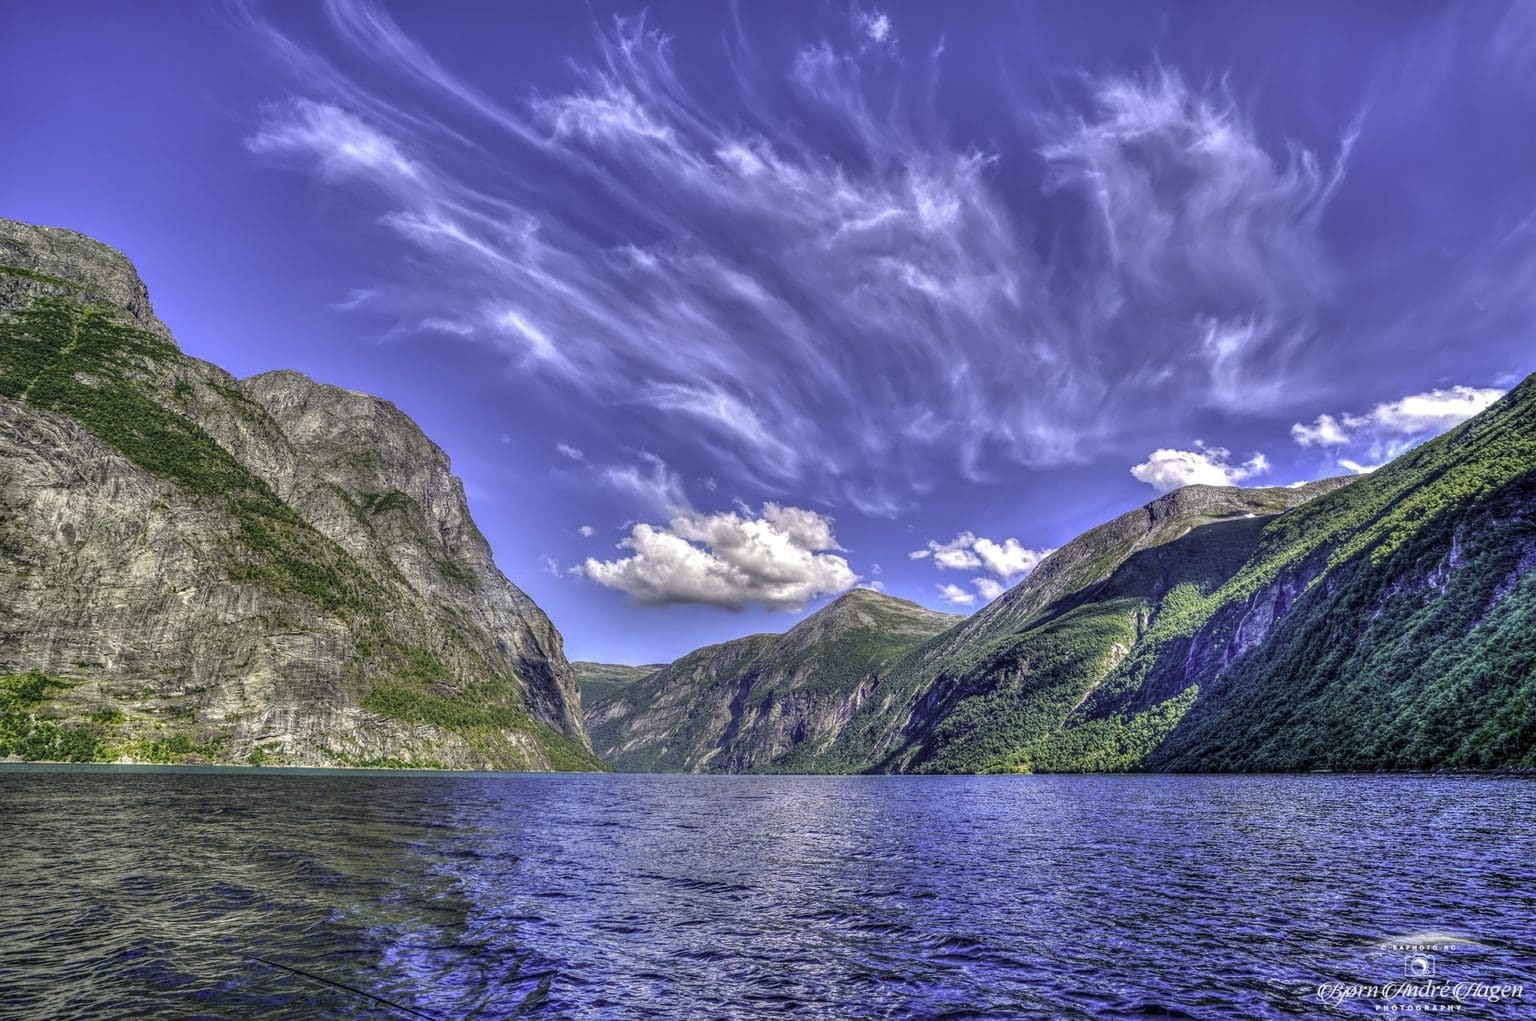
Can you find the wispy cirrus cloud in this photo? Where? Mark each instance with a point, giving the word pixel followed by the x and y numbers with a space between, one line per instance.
pixel 726 279
pixel 649 482
pixel 1186 198
pixel 1190 215
pixel 341 144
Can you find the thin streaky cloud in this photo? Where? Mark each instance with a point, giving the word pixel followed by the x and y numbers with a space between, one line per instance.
pixel 873 242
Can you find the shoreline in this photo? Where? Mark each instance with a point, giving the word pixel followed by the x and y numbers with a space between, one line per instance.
pixel 21 766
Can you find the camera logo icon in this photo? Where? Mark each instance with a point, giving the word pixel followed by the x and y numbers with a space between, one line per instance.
pixel 1419 966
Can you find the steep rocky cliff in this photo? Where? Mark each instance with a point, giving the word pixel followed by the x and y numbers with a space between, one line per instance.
pixel 195 567
pixel 744 704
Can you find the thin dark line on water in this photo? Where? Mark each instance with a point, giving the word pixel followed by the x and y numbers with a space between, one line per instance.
pixel 342 985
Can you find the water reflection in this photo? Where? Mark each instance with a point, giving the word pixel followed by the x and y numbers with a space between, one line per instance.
pixel 139 894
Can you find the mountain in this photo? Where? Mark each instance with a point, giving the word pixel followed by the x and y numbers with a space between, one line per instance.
pixel 1391 625
pixel 601 680
pixel 195 567
pixel 1013 671
pixel 1385 622
pixel 744 704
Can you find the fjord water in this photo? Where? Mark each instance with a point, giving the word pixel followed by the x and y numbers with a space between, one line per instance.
pixel 234 893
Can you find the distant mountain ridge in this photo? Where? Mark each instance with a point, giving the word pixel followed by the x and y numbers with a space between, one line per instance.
pixel 1380 622
pixel 601 680
pixel 744 703
pixel 199 568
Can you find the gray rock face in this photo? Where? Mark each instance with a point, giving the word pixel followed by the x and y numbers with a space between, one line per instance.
pixel 347 443
pixel 60 261
pixel 268 568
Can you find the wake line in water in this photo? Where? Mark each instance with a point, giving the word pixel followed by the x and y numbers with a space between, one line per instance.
pixel 342 985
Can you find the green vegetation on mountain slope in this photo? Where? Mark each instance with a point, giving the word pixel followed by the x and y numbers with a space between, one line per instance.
pixel 972 697
pixel 28 733
pixel 1390 625
pixel 1033 681
pixel 1386 624
pixel 604 680
pixel 1409 641
pixel 85 362
pixel 678 719
pixel 742 704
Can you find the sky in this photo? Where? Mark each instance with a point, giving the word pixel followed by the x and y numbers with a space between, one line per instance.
pixel 721 310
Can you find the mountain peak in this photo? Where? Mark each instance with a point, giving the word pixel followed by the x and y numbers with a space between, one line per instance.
pixel 814 676
pixel 867 609
pixel 1201 500
pixel 866 600
pixel 856 596
pixel 347 610
pixel 1094 555
pixel 53 261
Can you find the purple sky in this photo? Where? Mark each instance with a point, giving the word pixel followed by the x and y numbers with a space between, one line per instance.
pixel 779 296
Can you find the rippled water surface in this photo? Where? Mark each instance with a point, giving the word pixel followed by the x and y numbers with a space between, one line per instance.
pixel 253 893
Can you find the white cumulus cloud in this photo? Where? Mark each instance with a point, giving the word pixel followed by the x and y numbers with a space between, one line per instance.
pixel 1166 470
pixel 1325 432
pixel 780 559
pixel 1004 563
pixel 1008 559
pixel 1431 412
